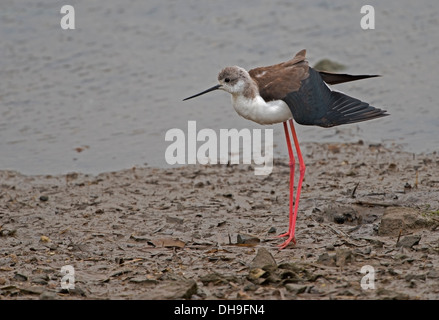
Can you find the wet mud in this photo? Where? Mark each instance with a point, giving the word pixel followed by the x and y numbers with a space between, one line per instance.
pixel 209 232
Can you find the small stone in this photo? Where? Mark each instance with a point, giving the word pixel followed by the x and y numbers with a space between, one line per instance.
pixel 40 279
pixel 433 274
pixel 339 219
pixel 295 288
pixel 48 295
pixel 176 220
pixel 32 290
pixel 263 259
pixel 343 257
pixel 272 230
pixel 259 291
pixel 214 278
pixel 396 219
pixel 247 239
pixel 44 198
pixel 326 259
pixel 20 277
pixel 409 241
pixel 172 290
pixel 367 250
pixel 250 287
pixel 77 291
pixel 410 277
pixel 7 233
pixel 52 246
pixel 384 263
pixel 394 272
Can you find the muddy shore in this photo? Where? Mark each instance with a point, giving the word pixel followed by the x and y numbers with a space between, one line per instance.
pixel 209 232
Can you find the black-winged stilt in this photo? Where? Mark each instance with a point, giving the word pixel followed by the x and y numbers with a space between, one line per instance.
pixel 293 90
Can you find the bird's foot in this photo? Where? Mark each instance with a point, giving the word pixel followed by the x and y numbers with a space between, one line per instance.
pixel 287 242
pixel 286 234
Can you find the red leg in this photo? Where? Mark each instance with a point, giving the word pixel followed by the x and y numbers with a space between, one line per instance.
pixel 292 227
pixel 292 164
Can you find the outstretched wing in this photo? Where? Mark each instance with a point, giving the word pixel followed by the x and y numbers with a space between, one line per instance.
pixel 310 100
pixel 314 103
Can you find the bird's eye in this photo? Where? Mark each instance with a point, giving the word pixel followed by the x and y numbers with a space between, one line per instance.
pixel 227 80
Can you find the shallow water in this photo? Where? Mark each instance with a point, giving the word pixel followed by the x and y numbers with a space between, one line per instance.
pixel 113 87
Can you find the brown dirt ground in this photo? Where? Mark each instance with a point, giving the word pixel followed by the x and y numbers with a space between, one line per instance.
pixel 148 233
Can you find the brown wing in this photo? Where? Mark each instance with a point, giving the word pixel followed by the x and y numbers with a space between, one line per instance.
pixel 276 81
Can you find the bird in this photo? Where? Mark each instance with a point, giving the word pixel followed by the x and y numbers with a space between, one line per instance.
pixel 288 91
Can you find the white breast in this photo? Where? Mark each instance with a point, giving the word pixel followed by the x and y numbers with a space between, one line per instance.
pixel 261 112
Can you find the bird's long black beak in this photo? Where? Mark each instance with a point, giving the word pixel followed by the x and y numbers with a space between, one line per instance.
pixel 205 91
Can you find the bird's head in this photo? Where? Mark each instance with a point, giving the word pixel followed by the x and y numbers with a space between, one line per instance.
pixel 233 80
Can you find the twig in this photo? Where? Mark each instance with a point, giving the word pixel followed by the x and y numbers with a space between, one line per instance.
pixel 355 189
pixel 373 203
pixel 399 236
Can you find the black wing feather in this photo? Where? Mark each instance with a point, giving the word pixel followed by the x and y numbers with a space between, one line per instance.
pixel 316 104
pixel 335 78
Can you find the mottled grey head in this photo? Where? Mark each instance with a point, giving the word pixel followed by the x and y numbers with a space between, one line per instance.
pixel 231 79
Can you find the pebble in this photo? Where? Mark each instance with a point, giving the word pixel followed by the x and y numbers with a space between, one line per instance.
pixel 339 219
pixel 394 272
pixel 40 279
pixel 178 289
pixel 247 239
pixel 295 288
pixel 215 278
pixel 343 256
pixel 263 259
pixel 176 220
pixel 326 259
pixel 48 295
pixel 272 230
pixel 409 241
pixel 250 287
pixel 384 263
pixel 407 219
pixel 433 274
pixel 20 277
